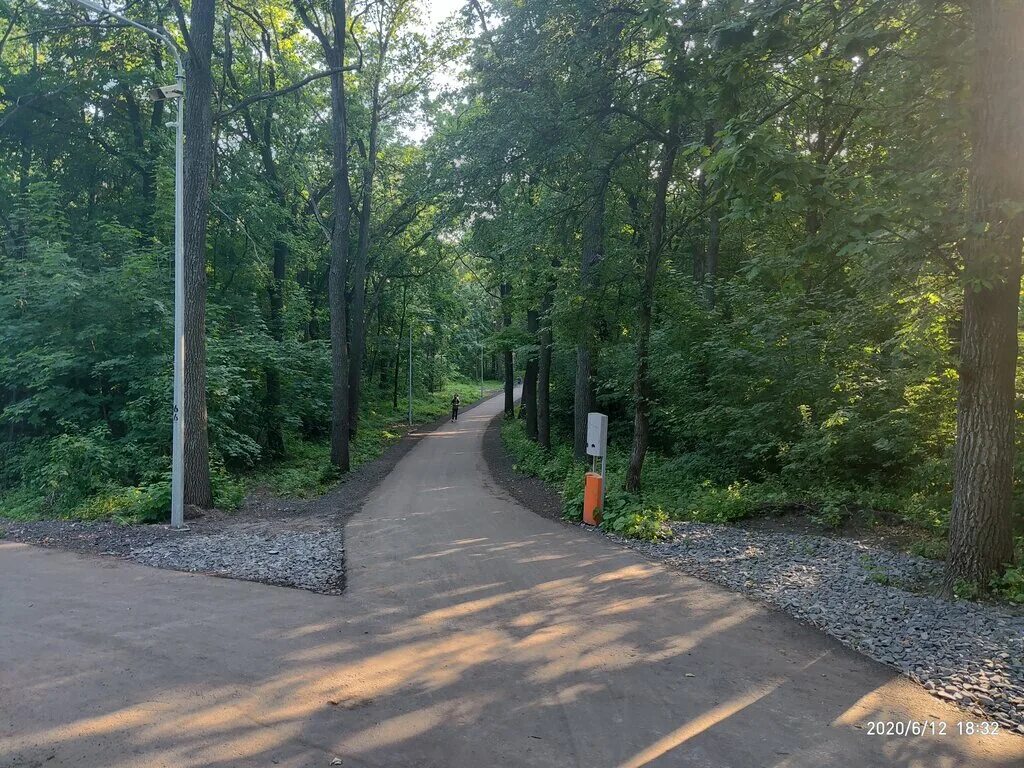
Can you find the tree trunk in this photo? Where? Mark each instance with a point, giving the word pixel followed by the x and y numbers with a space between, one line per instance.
pixel 358 336
pixel 398 348
pixel 530 377
pixel 642 389
pixel 198 156
pixel 593 238
pixel 275 291
pixel 261 138
pixel 506 320
pixel 544 372
pixel 711 257
pixel 709 269
pixel 338 276
pixel 980 532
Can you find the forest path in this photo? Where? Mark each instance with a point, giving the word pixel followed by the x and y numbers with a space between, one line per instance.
pixel 473 633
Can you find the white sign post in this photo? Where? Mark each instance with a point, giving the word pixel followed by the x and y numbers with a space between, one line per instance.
pixel 597 443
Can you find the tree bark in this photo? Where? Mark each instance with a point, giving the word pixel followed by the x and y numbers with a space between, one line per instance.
pixel 398 347
pixel 544 371
pixel 506 320
pixel 593 239
pixel 358 336
pixel 338 276
pixel 530 377
pixel 642 389
pixel 709 269
pixel 275 295
pixel 261 138
pixel 198 157
pixel 980 532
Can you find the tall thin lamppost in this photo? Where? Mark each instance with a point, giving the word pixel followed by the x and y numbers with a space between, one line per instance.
pixel 176 92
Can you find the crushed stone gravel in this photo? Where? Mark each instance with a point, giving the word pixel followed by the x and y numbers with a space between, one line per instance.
pixel 307 560
pixel 966 652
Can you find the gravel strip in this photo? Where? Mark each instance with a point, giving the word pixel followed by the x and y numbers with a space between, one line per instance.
pixel 313 561
pixel 294 552
pixel 971 654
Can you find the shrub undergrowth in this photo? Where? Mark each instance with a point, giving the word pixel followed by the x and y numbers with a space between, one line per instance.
pixel 82 476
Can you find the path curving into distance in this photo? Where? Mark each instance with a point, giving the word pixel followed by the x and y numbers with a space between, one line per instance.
pixel 473 634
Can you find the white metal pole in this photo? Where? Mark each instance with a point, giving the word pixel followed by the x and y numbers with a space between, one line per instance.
pixel 481 371
pixel 410 372
pixel 178 430
pixel 177 406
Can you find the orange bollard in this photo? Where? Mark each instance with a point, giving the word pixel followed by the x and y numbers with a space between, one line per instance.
pixel 592 499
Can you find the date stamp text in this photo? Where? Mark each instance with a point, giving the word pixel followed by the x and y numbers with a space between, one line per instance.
pixel 931 728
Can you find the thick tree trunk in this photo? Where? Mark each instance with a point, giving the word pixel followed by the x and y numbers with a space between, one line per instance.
pixel 530 378
pixel 592 242
pixel 358 320
pixel 980 534
pixel 510 394
pixel 198 155
pixel 338 276
pixel 642 389
pixel 544 372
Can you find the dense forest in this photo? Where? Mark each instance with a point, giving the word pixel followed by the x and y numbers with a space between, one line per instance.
pixel 778 242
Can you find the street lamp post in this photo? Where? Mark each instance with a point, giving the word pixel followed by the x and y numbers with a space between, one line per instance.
pixel 176 92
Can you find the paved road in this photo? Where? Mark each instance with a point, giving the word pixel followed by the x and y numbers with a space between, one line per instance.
pixel 473 634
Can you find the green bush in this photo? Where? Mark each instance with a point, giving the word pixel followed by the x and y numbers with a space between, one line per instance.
pixel 139 504
pixel 627 515
pixel 623 513
pixel 90 476
pixel 1010 585
pixel 709 503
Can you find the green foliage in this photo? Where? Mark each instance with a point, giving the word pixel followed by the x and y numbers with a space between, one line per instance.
pixel 86 223
pixel 874 573
pixel 806 300
pixel 816 369
pixel 624 513
pixel 627 515
pixel 1010 585
pixel 306 471
pixel 551 466
pixel 709 503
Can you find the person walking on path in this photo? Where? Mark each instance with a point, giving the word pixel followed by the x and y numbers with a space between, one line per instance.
pixel 455 406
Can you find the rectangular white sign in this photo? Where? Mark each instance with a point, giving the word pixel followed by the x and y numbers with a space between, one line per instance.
pixel 597 434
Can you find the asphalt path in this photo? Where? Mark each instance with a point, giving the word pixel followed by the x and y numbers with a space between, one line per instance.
pixel 473 633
